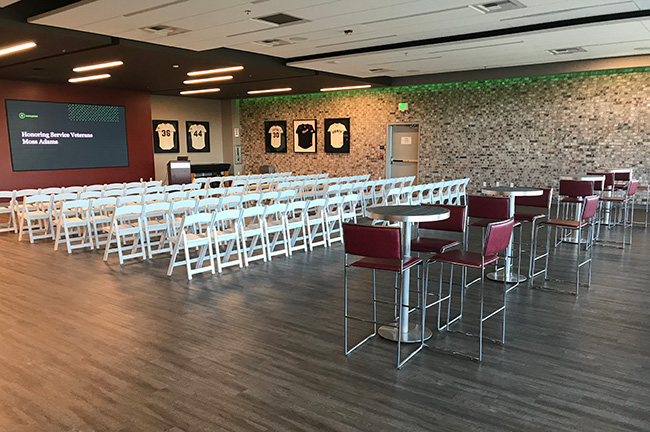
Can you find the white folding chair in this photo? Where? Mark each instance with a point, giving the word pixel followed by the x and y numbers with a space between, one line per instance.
pixel 216 192
pixel 154 189
pixel 37 215
pixel 332 214
pixel 269 198
pixel 134 191
pixel 73 189
pixel 153 197
pixel 251 226
pixel 6 208
pixel 295 225
pixel 152 184
pixel 250 200
pixel 177 212
pixel 112 193
pixel 191 186
pixel 74 218
pixel 274 224
pixel 114 186
pixel 173 188
pixel 226 235
pixel 131 185
pixel 88 195
pixel 56 202
pixel 95 188
pixel 101 216
pixel 287 195
pixel 51 191
pixel 197 194
pixel 230 202
pixel 175 196
pixel 155 226
pixel 315 223
pixel 208 205
pixel 129 200
pixel 349 208
pixel 126 225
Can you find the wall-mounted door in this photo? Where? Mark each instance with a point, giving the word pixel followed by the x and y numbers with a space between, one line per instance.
pixel 403 148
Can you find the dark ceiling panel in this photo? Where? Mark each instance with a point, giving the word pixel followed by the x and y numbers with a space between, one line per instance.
pixel 147 67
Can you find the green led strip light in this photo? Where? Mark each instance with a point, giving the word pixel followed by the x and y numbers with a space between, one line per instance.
pixel 642 69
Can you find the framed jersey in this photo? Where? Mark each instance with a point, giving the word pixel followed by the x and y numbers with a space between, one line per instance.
pixel 198 136
pixel 337 135
pixel 275 136
pixel 304 136
pixel 165 136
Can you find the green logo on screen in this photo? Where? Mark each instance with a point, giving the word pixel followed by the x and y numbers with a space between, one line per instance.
pixel 22 115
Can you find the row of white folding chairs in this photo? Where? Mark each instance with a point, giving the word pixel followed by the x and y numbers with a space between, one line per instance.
pixel 240 235
pixel 452 192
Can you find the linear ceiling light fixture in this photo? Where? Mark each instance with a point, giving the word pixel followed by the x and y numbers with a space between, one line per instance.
pixel 203 80
pixel 208 90
pixel 276 90
pixel 216 71
pixel 16 48
pixel 345 88
pixel 98 66
pixel 88 78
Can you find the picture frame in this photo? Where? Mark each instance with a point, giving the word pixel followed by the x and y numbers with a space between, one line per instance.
pixel 304 136
pixel 197 136
pixel 165 136
pixel 275 136
pixel 337 135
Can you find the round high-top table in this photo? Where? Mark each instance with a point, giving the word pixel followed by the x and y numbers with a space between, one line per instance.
pixel 572 237
pixel 511 193
pixel 406 215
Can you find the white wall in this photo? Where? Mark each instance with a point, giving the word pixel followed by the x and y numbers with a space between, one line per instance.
pixel 184 109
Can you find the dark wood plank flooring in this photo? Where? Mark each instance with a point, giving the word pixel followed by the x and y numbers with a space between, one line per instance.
pixel 89 346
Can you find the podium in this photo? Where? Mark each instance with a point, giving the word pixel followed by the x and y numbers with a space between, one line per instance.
pixel 178 172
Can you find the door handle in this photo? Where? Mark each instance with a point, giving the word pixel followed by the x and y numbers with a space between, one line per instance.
pixel 404 160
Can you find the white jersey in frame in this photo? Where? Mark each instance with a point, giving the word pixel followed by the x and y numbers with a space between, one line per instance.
pixel 336 134
pixel 197 132
pixel 276 136
pixel 166 133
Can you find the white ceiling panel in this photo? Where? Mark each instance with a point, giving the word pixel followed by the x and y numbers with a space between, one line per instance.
pixel 228 23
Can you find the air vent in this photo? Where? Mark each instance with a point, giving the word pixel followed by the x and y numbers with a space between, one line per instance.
pixel 497 6
pixel 164 30
pixel 278 19
pixel 562 51
pixel 379 70
pixel 270 43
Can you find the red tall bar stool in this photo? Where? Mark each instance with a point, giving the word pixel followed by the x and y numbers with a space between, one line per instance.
pixel 436 245
pixel 497 240
pixel 542 205
pixel 625 207
pixel 379 248
pixel 486 210
pixel 572 194
pixel 589 206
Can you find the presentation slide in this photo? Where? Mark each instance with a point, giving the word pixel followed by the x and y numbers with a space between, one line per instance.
pixel 55 135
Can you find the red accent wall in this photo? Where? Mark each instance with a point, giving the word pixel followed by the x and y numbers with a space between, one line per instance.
pixel 137 107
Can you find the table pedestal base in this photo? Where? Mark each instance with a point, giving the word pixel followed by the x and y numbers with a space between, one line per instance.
pixel 512 277
pixel 414 334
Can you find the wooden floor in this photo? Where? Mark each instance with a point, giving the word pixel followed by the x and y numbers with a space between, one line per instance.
pixel 89 346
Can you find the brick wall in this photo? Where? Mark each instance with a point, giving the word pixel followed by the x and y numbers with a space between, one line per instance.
pixel 525 130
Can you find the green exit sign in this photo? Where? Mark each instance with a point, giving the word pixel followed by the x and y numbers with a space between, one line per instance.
pixel 403 106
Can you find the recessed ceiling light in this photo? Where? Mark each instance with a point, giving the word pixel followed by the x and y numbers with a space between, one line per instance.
pixel 345 88
pixel 202 80
pixel 211 71
pixel 175 66
pixel 16 48
pixel 284 89
pixel 208 90
pixel 98 66
pixel 88 78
